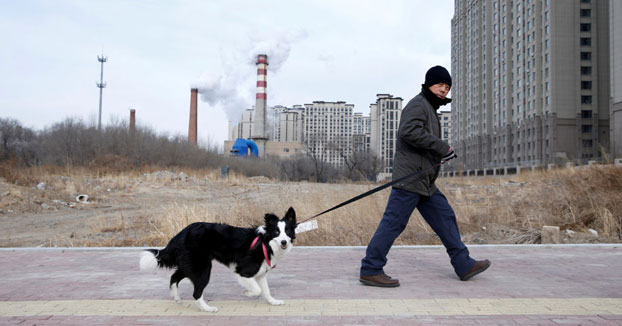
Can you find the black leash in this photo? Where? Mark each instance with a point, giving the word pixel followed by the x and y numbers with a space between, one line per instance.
pixel 363 195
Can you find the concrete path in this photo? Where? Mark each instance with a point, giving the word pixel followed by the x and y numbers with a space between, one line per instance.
pixel 526 285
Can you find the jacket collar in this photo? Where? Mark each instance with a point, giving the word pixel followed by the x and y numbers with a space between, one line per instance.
pixel 433 99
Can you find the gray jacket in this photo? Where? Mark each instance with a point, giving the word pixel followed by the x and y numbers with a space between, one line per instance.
pixel 419 147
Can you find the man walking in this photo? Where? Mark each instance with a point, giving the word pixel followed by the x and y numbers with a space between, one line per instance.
pixel 419 148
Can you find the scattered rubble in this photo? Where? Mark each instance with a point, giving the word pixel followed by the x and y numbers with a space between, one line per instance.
pixel 167 175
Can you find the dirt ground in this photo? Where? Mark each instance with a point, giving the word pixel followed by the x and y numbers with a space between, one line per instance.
pixel 43 216
pixel 121 210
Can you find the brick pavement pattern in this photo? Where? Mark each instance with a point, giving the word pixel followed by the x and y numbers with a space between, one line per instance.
pixel 526 285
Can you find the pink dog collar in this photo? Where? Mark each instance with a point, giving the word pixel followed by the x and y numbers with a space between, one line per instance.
pixel 265 251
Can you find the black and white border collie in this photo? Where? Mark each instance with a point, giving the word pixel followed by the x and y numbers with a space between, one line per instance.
pixel 249 252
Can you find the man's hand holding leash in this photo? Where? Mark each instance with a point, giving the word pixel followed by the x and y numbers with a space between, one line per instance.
pixel 450 155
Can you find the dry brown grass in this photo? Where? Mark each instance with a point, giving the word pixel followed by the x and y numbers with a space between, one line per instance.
pixel 509 209
pixel 573 198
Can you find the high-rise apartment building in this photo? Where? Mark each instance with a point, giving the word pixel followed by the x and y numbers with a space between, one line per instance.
pixel 361 128
pixel 385 120
pixel 531 81
pixel 615 57
pixel 285 124
pixel 328 131
pixel 444 117
pixel 360 124
pixel 282 124
pixel 244 128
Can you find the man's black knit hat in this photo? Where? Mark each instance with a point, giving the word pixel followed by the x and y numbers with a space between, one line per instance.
pixel 436 75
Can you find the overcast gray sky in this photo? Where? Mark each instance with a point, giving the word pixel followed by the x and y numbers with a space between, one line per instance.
pixel 337 50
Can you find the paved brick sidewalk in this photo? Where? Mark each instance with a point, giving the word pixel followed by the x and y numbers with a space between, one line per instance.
pixel 526 285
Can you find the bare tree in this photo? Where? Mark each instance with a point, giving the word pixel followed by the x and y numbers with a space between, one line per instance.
pixel 351 163
pixel 369 165
pixel 297 168
pixel 17 141
pixel 316 149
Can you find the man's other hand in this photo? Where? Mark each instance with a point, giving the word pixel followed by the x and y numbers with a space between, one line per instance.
pixel 450 155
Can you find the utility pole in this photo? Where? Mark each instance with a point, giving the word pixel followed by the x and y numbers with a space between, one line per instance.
pixel 101 84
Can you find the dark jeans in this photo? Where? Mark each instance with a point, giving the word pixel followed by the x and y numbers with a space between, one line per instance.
pixel 439 215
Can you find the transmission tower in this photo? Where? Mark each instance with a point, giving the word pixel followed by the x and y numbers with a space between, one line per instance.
pixel 101 84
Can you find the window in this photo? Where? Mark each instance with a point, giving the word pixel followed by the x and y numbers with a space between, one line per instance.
pixel 586 84
pixel 586 70
pixel 586 129
pixel 586 56
pixel 586 13
pixel 586 27
pixel 587 143
pixel 586 114
pixel 586 41
pixel 586 99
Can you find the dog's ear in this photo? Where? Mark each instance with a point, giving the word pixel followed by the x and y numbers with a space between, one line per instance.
pixel 271 219
pixel 290 216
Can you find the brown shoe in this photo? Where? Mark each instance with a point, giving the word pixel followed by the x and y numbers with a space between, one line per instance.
pixel 480 266
pixel 381 280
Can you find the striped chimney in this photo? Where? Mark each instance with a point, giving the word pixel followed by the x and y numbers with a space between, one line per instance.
pixel 259 129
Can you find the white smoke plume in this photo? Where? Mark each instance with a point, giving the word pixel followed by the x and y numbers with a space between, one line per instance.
pixel 234 88
pixel 228 85
pixel 277 49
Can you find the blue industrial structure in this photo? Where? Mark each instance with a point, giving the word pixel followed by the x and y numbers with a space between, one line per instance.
pixel 241 147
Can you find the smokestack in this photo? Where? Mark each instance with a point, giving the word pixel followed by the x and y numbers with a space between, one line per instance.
pixel 132 121
pixel 192 129
pixel 259 130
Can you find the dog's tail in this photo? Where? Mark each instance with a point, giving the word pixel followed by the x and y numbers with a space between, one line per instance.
pixel 149 260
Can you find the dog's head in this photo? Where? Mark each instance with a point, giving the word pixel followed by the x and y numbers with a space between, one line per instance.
pixel 280 233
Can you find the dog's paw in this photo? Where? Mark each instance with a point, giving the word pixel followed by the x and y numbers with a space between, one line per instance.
pixel 209 309
pixel 205 307
pixel 250 294
pixel 276 302
pixel 175 294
